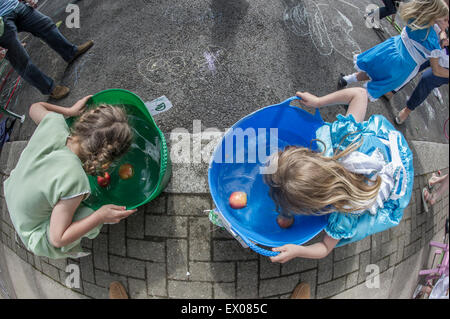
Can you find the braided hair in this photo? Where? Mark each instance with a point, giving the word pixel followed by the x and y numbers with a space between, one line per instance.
pixel 104 136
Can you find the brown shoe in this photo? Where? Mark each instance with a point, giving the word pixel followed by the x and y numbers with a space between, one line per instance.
pixel 117 291
pixel 302 291
pixel 59 92
pixel 81 49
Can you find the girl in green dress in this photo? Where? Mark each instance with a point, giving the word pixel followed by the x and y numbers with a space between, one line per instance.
pixel 44 192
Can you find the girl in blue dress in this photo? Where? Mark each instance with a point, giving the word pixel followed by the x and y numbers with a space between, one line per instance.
pixel 362 179
pixel 393 63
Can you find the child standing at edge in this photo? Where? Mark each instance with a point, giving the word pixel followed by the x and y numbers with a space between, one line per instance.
pixel 392 64
pixel 363 178
pixel 44 192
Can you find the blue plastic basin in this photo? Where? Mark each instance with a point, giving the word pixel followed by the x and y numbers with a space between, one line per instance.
pixel 228 173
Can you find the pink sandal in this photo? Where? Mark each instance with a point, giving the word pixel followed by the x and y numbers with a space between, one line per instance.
pixel 424 201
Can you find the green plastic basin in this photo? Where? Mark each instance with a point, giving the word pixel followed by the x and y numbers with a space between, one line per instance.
pixel 148 155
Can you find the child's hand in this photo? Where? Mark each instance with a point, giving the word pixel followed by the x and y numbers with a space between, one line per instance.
pixel 78 107
pixel 308 99
pixel 287 252
pixel 112 214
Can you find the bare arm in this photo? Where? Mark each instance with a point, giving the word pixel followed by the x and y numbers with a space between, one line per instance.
pixel 40 109
pixel 63 231
pixel 437 69
pixel 315 251
pixel 355 98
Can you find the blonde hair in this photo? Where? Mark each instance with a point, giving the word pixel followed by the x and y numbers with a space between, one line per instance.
pixel 422 14
pixel 104 135
pixel 309 183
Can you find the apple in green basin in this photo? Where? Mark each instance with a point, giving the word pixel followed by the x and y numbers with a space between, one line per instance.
pixel 103 181
pixel 126 171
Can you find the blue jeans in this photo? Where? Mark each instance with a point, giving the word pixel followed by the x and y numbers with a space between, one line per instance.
pixel 427 83
pixel 389 9
pixel 25 18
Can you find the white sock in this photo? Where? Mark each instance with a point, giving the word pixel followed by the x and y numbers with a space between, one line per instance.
pixel 351 78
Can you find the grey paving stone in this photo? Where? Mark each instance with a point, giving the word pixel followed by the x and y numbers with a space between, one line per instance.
pixel 247 279
pixel 156 279
pixel 220 233
pixel 104 279
pixel 268 269
pixel 310 277
pixel 116 239
pixel 177 259
pixel 166 226
pixel 199 238
pixel 352 249
pixel 297 265
pixel 127 267
pixel 95 291
pixel 147 250
pixel 278 286
pixel 331 288
pixel 137 289
pixel 189 289
pixel 229 250
pixel 224 290
pixel 87 269
pixel 135 225
pixel 389 247
pixel 383 264
pixel 364 261
pixel 51 271
pixel 411 249
pixel 352 280
pixel 193 205
pixel 59 263
pixel 212 271
pixel 100 251
pixel 157 206
pixel 13 152
pixel 325 269
pixel 86 243
pixel 37 262
pixel 345 266
pixel 30 258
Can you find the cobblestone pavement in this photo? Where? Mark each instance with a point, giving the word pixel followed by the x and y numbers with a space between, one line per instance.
pixel 169 249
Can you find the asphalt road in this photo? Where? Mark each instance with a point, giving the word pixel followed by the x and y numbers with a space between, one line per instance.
pixel 218 61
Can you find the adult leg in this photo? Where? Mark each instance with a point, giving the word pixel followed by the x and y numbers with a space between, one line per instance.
pixel 388 10
pixel 38 24
pixel 20 60
pixel 427 83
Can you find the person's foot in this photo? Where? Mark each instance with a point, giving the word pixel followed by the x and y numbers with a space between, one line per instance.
pixel 59 92
pixel 81 49
pixel 401 117
pixel 342 83
pixel 428 197
pixel 433 180
pixel 117 291
pixel 302 291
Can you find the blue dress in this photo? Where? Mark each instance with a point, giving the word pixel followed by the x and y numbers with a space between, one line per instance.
pixel 375 133
pixel 390 64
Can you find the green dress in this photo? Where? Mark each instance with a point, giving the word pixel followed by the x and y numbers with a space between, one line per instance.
pixel 46 173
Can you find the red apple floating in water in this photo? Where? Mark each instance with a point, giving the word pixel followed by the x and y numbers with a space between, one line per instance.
pixel 238 200
pixel 104 180
pixel 285 222
pixel 126 171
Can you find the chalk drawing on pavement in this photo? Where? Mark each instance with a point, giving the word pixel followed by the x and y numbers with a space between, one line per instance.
pixel 306 18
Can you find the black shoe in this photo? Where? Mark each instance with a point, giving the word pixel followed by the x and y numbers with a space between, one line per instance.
pixel 342 83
